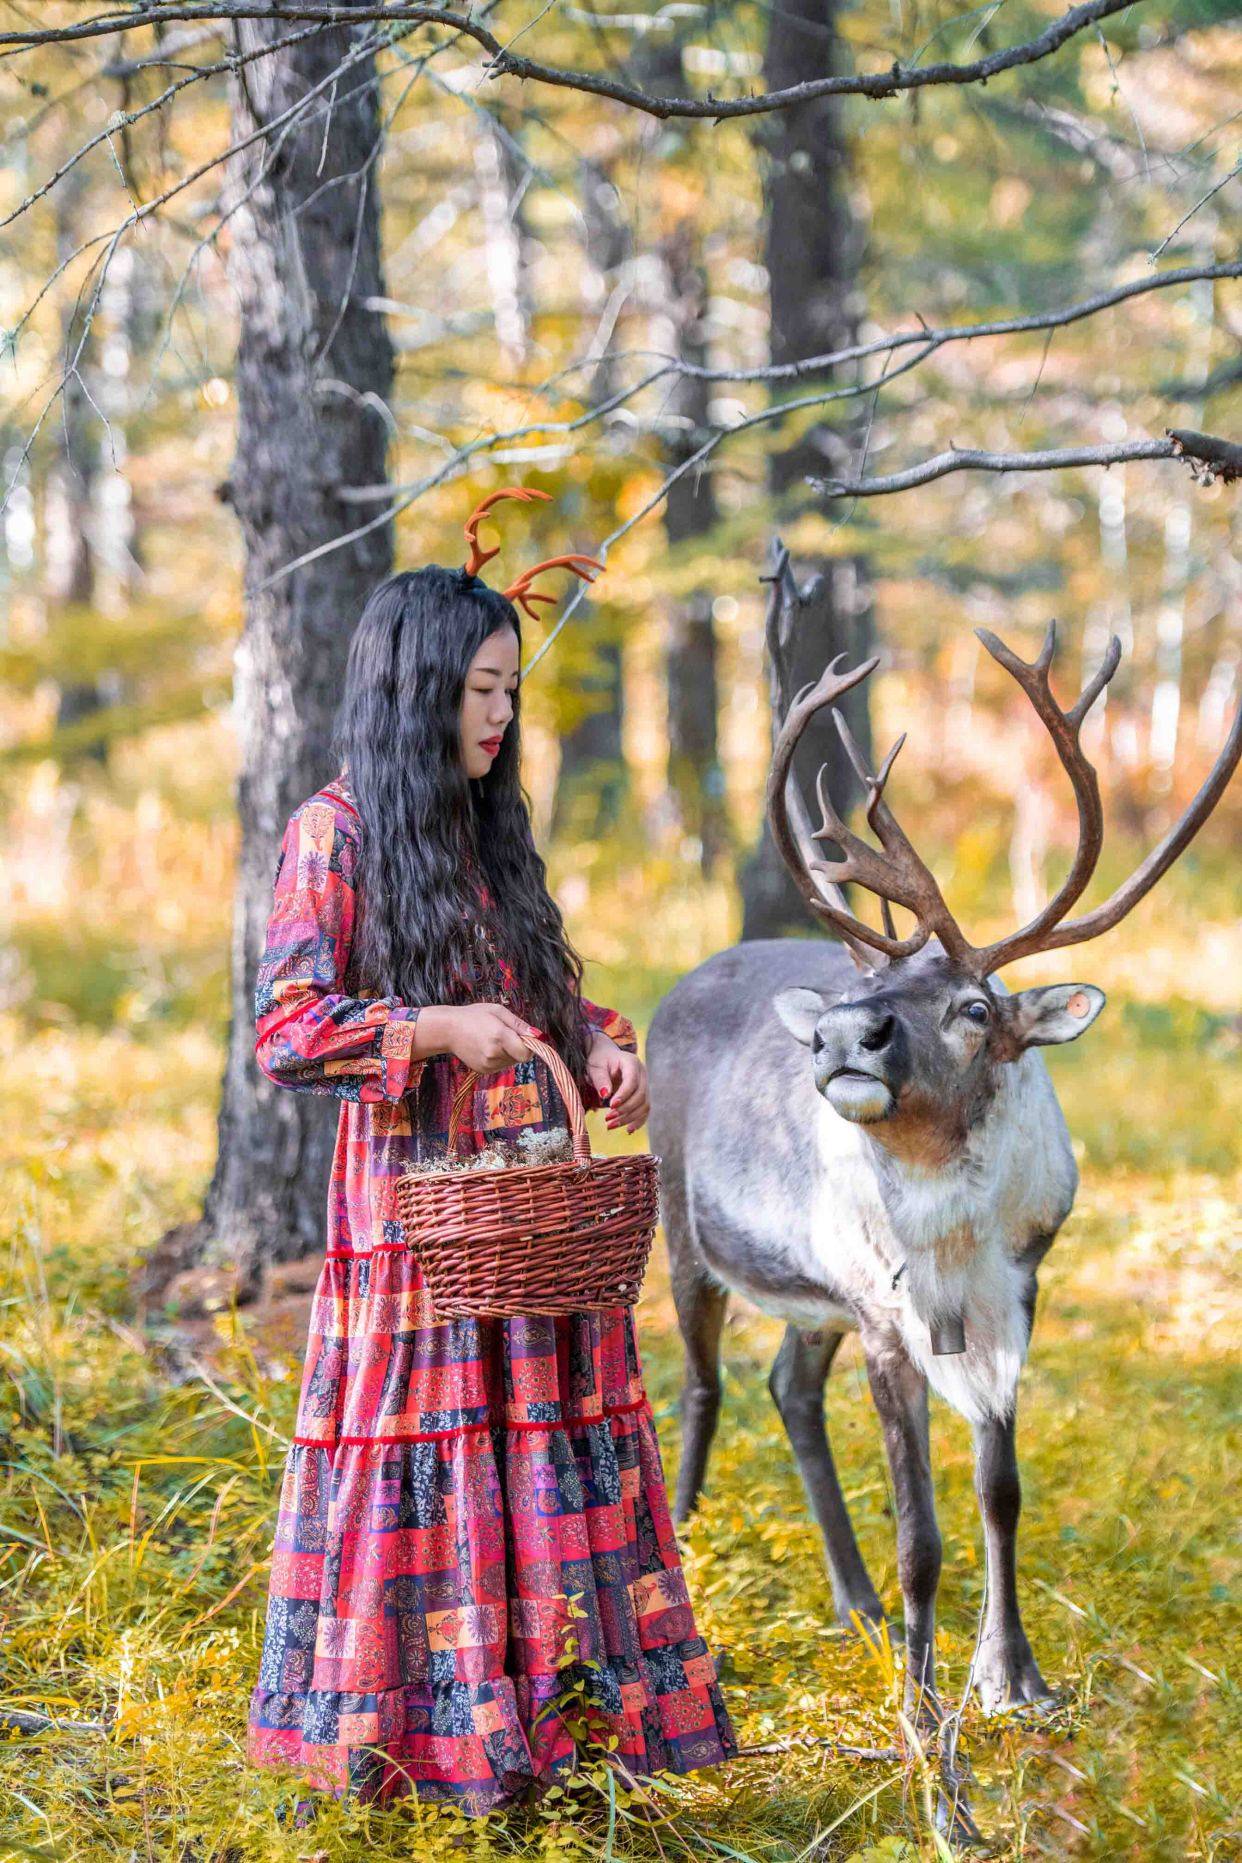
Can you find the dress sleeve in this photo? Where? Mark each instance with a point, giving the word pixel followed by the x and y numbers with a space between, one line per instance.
pixel 313 1037
pixel 609 1022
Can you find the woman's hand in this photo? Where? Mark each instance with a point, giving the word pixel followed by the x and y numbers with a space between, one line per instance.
pixel 486 1036
pixel 619 1078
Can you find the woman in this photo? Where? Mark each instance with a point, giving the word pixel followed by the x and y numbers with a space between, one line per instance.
pixel 460 1496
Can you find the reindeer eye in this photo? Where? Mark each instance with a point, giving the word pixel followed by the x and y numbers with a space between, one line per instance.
pixel 978 1013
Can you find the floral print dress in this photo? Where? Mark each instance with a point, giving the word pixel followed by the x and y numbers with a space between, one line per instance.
pixel 460 1495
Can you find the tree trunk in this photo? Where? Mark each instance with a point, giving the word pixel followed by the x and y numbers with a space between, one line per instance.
pixel 69 496
pixel 503 183
pixel 131 315
pixel 314 375
pixel 695 775
pixel 812 260
pixel 591 781
pixel 695 778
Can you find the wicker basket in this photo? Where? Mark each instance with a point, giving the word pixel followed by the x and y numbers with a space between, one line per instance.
pixel 545 1238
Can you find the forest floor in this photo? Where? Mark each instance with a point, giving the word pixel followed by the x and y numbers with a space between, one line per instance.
pixel 139 1490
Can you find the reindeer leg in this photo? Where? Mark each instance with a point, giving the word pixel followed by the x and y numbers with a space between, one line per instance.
pixel 899 1391
pixel 1006 1673
pixel 701 1307
pixel 796 1382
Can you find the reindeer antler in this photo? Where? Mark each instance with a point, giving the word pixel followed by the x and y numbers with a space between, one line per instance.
pixel 1050 930
pixel 897 875
pixel 522 593
pixel 893 871
pixel 479 556
pixel 1064 729
pixel 787 816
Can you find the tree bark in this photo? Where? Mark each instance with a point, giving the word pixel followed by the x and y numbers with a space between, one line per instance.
pixel 591 780
pixel 502 189
pixel 314 376
pixel 69 495
pixel 695 778
pixel 812 259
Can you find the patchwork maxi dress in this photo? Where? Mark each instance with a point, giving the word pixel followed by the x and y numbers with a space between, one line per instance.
pixel 452 1484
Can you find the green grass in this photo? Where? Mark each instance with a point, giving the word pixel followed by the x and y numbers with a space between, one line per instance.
pixel 136 1509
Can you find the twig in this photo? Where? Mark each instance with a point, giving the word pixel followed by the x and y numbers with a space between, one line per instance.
pixel 798 1742
pixel 1192 211
pixel 25 1721
pixel 1221 459
pixel 927 338
pixel 879 84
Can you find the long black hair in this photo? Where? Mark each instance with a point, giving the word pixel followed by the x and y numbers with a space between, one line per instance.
pixel 422 932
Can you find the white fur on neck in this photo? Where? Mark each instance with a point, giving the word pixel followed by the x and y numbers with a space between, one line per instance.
pixel 956 1228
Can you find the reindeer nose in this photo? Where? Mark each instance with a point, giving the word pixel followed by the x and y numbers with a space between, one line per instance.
pixel 859 1035
pixel 878 1036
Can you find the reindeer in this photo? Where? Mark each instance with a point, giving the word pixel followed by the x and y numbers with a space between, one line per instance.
pixel 863 1137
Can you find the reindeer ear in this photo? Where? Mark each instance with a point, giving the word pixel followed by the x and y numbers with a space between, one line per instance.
pixel 1061 1012
pixel 799 1010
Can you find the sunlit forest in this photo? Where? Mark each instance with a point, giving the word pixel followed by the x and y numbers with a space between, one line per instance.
pixel 701 334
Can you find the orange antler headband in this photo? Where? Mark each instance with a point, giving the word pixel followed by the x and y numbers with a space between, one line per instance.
pixel 521 591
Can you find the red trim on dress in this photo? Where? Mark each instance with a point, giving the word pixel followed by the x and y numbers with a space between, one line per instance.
pixel 365 1254
pixel 338 797
pixel 463 1429
pixel 297 1010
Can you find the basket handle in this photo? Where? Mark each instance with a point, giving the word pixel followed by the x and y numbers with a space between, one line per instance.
pixel 566 1086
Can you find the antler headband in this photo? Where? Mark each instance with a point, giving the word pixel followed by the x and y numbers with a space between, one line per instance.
pixel 521 591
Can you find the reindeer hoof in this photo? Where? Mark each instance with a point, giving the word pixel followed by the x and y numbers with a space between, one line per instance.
pixel 954 1822
pixel 1007 1677
pixel 869 1610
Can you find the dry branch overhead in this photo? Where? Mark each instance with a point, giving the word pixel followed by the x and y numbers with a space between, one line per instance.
pixel 1210 457
pixel 502 62
pixel 931 337
pixel 927 338
pixel 1219 459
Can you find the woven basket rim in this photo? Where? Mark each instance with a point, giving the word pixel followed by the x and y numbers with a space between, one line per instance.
pixel 573 1166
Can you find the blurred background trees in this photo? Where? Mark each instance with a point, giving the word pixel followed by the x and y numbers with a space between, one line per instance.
pixel 590 298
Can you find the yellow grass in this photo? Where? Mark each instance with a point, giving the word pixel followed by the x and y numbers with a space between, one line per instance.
pixel 137 1500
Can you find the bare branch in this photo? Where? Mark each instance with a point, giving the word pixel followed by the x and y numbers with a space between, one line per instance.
pixel 146 209
pixel 1201 202
pixel 1220 459
pixel 789 823
pixel 126 120
pixel 1214 458
pixel 487 445
pixel 927 336
pixel 504 63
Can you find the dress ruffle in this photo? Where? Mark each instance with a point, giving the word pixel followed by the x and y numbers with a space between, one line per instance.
pixel 453 1485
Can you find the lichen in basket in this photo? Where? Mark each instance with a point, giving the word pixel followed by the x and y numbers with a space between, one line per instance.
pixel 529 1148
